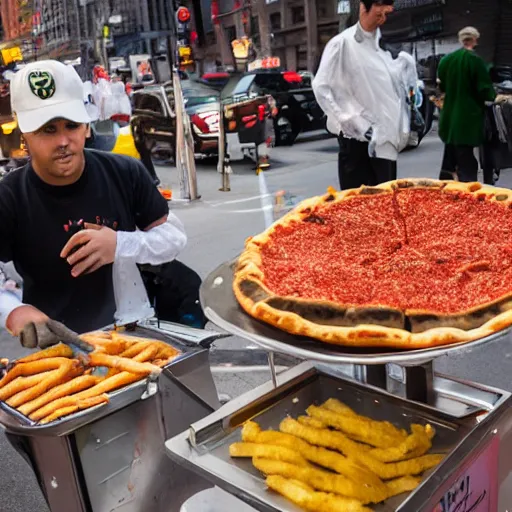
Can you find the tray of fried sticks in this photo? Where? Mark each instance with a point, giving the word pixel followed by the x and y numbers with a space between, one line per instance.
pixel 58 384
pixel 320 442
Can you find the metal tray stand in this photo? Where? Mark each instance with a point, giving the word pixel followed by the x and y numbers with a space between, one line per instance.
pixel 204 448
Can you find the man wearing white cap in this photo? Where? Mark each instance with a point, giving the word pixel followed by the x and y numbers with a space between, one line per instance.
pixel 87 279
pixel 465 80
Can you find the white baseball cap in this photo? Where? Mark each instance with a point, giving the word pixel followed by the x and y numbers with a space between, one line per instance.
pixel 46 90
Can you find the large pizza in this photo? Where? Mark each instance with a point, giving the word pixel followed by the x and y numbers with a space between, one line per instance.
pixel 406 264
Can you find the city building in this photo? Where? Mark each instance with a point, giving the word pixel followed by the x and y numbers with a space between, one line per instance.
pixel 301 28
pixel 298 30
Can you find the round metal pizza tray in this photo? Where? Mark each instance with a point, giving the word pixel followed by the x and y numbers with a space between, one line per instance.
pixel 222 308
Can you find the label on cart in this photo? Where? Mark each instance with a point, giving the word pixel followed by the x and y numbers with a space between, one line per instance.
pixel 475 488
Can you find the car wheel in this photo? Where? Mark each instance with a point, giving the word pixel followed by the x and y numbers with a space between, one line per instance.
pixel 285 134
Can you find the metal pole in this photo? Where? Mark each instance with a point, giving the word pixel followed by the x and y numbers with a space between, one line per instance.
pixel 272 368
pixel 185 162
pixel 223 165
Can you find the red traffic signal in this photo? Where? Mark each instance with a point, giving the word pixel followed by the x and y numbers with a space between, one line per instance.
pixel 183 15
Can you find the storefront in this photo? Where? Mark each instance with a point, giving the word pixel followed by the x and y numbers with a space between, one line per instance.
pixel 424 21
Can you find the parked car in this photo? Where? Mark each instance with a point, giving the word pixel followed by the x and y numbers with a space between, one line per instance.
pixel 153 115
pixel 246 109
pixel 298 110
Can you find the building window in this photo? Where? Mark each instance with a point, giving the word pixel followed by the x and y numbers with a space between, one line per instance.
pixel 298 15
pixel 275 21
pixel 324 9
pixel 231 33
pixel 343 6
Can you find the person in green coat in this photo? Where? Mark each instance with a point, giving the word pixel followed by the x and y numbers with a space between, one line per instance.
pixel 464 78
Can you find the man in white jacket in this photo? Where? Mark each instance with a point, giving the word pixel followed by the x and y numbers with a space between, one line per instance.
pixel 361 89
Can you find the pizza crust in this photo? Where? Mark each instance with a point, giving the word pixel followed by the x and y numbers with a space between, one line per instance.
pixel 374 326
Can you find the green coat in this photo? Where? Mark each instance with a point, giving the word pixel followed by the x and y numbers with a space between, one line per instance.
pixel 465 80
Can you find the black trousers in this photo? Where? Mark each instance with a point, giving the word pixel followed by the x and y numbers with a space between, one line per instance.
pixel 145 158
pixel 173 290
pixel 460 160
pixel 356 168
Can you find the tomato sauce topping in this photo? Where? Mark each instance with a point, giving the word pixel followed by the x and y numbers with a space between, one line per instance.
pixel 416 249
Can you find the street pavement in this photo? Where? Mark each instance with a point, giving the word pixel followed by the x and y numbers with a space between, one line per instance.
pixel 217 227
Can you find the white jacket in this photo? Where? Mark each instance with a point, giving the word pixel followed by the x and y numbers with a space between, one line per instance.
pixel 359 86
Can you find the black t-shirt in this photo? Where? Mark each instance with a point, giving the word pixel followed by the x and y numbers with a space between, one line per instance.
pixel 114 190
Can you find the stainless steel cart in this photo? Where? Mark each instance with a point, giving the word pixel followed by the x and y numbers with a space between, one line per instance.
pixel 112 457
pixel 474 422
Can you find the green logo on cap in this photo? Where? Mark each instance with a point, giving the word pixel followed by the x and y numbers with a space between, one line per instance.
pixel 42 84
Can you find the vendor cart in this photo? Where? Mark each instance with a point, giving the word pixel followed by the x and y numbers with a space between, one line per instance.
pixel 112 457
pixel 473 422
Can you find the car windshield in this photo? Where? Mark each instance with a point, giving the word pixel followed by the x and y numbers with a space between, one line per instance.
pixel 241 86
pixel 194 101
pixel 195 95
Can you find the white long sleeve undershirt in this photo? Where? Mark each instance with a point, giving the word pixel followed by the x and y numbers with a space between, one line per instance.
pixel 159 245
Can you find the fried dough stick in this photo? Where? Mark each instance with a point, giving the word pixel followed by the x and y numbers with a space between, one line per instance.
pixel 26 369
pixel 328 482
pixel 164 352
pixel 267 451
pixel 359 429
pixel 311 422
pixel 59 350
pixel 135 349
pixel 329 459
pixel 105 344
pixel 415 445
pixel 338 407
pixel 95 339
pixel 112 348
pixel 21 383
pixel 305 497
pixel 67 371
pixel 123 364
pixel 338 441
pixel 82 404
pixel 69 388
pixel 337 484
pixel 109 384
pixel 147 354
pixel 308 421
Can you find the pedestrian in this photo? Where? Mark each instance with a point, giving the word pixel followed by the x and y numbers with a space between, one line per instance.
pixel 465 80
pixel 360 88
pixel 89 278
pixel 268 113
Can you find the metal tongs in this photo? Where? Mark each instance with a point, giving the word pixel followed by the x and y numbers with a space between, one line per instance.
pixel 50 333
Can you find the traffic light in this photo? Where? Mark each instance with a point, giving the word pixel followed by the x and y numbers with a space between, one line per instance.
pixel 185 55
pixel 183 15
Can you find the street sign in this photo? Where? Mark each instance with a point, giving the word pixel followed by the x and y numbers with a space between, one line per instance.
pixel 429 23
pixel 11 55
pixel 268 63
pixel 116 19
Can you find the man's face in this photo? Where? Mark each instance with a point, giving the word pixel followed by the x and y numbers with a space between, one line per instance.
pixel 57 151
pixel 376 16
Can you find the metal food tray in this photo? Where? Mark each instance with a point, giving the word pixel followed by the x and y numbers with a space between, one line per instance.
pixel 118 399
pixel 222 308
pixel 205 447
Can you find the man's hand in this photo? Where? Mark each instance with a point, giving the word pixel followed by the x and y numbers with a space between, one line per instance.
pixel 97 247
pixel 22 316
